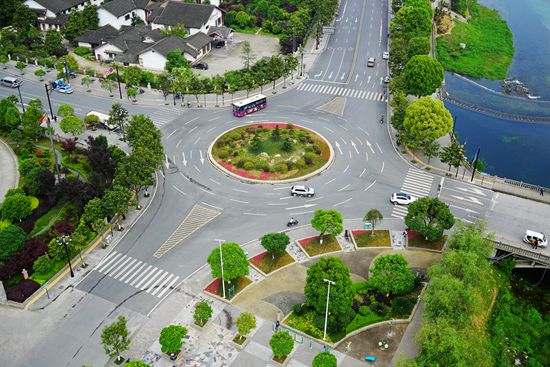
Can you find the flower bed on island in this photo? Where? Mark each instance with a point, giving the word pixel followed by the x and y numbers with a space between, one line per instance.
pixel 376 238
pixel 266 263
pixel 313 247
pixel 231 289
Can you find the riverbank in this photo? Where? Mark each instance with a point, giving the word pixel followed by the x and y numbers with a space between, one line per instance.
pixel 489 46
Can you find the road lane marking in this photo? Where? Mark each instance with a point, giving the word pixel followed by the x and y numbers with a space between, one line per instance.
pixel 178 190
pixel 345 187
pixel 239 201
pixel 343 202
pixel 212 206
pixel 326 183
pixel 368 187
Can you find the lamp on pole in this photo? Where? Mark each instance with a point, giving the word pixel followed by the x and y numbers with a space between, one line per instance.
pixel 64 240
pixel 118 80
pixel 330 282
pixel 50 132
pixel 221 263
pixel 302 63
pixel 21 98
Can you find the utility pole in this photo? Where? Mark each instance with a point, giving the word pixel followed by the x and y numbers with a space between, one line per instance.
pixel 474 163
pixel 221 263
pixel 118 80
pixel 326 311
pixel 50 133
pixel 21 98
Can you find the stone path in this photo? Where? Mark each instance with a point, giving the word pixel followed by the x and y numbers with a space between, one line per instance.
pixel 296 252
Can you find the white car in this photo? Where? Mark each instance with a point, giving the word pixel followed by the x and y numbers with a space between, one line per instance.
pixel 371 61
pixel 301 190
pixel 402 198
pixel 66 89
pixel 386 55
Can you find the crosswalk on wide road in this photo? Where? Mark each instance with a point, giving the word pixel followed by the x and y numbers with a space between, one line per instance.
pixel 161 117
pixel 138 274
pixel 417 183
pixel 342 91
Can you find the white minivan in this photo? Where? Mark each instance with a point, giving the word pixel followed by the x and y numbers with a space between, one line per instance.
pixel 540 238
pixel 10 81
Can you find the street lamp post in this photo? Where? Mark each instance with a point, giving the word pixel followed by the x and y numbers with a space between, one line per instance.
pixel 330 282
pixel 221 263
pixel 118 80
pixel 50 133
pixel 302 63
pixel 64 240
pixel 21 98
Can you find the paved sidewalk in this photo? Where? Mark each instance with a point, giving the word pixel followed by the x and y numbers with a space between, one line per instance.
pixel 9 173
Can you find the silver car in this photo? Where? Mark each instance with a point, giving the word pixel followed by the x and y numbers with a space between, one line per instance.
pixel 402 198
pixel 301 190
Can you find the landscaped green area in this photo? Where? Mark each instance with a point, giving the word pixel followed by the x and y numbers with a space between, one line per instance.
pixel 268 263
pixel 271 151
pixel 376 238
pixel 489 46
pixel 415 239
pixel 313 246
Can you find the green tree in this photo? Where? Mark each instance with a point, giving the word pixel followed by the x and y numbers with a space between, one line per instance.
pixel 242 19
pixel 171 338
pixel 66 60
pixel 281 344
pixel 16 207
pixel 32 181
pixel 275 66
pixel 275 243
pixel 40 73
pixel 72 125
pixel 94 214
pixel 12 241
pixel 65 110
pixel 399 104
pixel 53 43
pixel 453 155
pixel 341 293
pixel 324 359
pixel 115 338
pixel 12 118
pixel 235 263
pixel 132 76
pixel 175 59
pixel 21 66
pixel 30 120
pixel 327 221
pixel 412 22
pixel 291 63
pixel 132 93
pixel 109 85
pixel 203 313
pixel 430 149
pixel 136 171
pixel 373 216
pixel 246 321
pixel 118 116
pixel 86 81
pixel 247 55
pixel 116 201
pixel 424 75
pixel 398 55
pixel 23 18
pixel 136 20
pixel 425 119
pixel 430 217
pixel 90 16
pixel 136 363
pixel 178 30
pixel 391 274
pixel 141 132
pixel 419 46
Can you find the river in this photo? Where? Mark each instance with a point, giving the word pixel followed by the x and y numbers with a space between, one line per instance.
pixel 511 149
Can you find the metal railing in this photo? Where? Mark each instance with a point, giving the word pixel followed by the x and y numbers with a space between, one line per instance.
pixel 526 254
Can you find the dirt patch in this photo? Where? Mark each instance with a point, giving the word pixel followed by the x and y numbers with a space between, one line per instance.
pixel 366 343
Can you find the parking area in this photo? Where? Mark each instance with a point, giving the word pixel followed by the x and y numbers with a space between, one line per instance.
pixel 222 60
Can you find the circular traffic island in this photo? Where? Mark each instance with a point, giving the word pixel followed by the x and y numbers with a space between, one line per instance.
pixel 271 152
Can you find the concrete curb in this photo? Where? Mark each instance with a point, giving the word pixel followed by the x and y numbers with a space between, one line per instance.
pixel 270 182
pixel 16 163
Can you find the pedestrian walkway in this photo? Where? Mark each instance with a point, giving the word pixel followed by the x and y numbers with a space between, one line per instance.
pixel 342 91
pixel 137 273
pixel 162 117
pixel 197 217
pixel 417 183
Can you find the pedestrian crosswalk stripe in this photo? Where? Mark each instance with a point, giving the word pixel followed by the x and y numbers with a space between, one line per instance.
pixel 195 219
pixel 342 91
pixel 416 183
pixel 138 274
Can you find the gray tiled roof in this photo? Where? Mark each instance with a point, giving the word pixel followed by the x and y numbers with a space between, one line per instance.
pixel 223 31
pixel 132 53
pixel 57 6
pixel 60 19
pixel 121 7
pixel 172 43
pixel 98 36
pixel 191 15
pixel 198 40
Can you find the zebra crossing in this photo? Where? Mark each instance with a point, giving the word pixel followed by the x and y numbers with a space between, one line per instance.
pixel 138 274
pixel 161 117
pixel 342 91
pixel 195 219
pixel 416 183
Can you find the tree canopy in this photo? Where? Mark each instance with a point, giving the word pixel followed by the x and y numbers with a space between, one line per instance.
pixel 72 125
pixel 341 293
pixel 16 207
pixel 203 313
pixel 12 240
pixel 235 263
pixel 115 337
pixel 425 119
pixel 424 75
pixel 141 132
pixel 430 217
pixel 281 344
pixel 246 321
pixel 175 59
pixel 324 359
pixel 328 221
pixel 171 338
pixel 391 274
pixel 275 243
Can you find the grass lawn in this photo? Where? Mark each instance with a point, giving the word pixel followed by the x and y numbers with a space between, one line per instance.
pixel 34 202
pixel 248 30
pixel 267 264
pixel 360 321
pixel 489 46
pixel 364 238
pixel 313 247
pixel 216 286
pixel 44 220
pixel 417 240
pixel 77 162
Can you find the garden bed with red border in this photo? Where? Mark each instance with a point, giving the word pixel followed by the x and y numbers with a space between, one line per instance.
pixel 313 247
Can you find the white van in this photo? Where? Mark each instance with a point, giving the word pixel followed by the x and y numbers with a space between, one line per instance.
pixel 9 81
pixel 103 120
pixel 537 236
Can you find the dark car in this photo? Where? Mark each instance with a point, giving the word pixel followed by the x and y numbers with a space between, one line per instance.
pixel 219 44
pixel 201 65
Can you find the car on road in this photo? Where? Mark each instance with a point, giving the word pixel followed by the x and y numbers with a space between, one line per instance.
pixel 532 237
pixel 66 89
pixel 9 81
pixel 386 55
pixel 302 190
pixel 401 198
pixel 201 65
pixel 371 61
pixel 386 79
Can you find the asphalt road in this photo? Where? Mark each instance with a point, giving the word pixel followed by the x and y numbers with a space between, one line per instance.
pixel 196 203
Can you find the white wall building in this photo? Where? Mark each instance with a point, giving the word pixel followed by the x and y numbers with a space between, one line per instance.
pixel 117 13
pixel 52 14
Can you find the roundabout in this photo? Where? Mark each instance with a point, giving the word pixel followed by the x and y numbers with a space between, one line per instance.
pixel 271 152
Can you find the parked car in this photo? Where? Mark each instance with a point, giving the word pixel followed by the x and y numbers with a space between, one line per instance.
pixel 386 55
pixel 302 190
pixel 386 79
pixel 66 89
pixel 402 198
pixel 201 65
pixel 9 81
pixel 535 237
pixel 371 61
pixel 219 44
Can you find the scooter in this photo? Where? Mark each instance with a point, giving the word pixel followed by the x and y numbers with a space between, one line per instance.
pixel 292 222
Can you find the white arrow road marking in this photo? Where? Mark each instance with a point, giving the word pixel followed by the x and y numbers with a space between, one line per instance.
pixel 338 147
pixel 196 141
pixel 343 141
pixel 167 162
pixel 356 77
pixel 191 120
pixel 363 130
pixel 202 159
pixel 346 169
pixel 362 173
pixel 380 149
pixel 382 169
pixel 178 190
pixel 330 75
pixel 318 75
pixel 368 79
pixel 343 75
pixel 354 147
pixel 197 168
pixel 368 187
pixel 472 190
pixel 184 161
pixel 465 209
pixel 172 133
pixel 345 187
pixel 367 155
pixel 178 144
pixel 343 202
pixel 301 206
pixel 359 140
pixel 370 146
pixel 468 199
